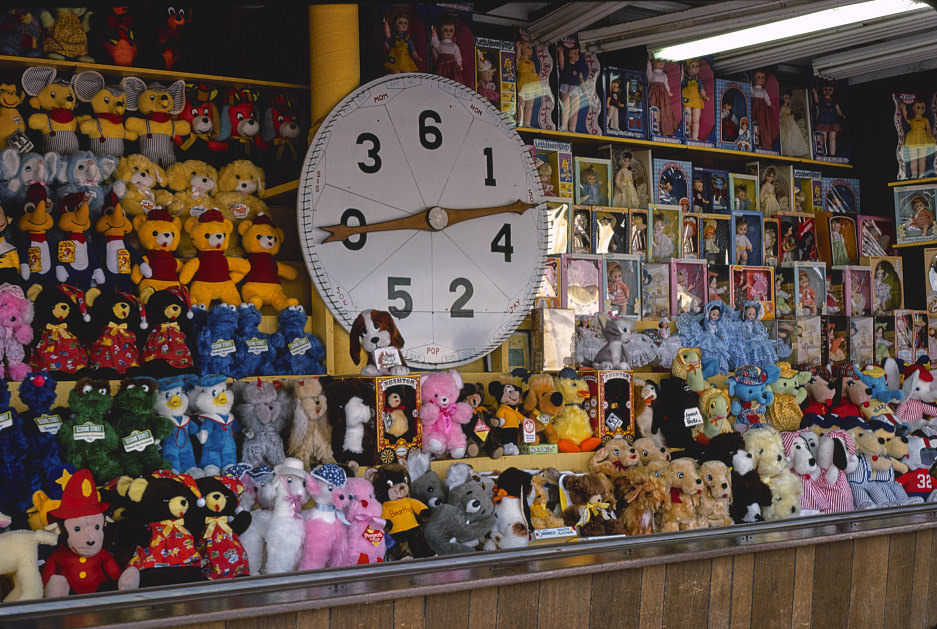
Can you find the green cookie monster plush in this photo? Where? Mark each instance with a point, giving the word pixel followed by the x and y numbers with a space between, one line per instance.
pixel 139 427
pixel 88 440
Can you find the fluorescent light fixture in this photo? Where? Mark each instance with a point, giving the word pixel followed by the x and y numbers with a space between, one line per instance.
pixel 793 27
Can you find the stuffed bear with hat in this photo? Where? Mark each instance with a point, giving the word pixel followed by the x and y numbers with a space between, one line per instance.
pixel 262 240
pixel 219 425
pixel 223 554
pixel 60 318
pixel 166 352
pixel 159 235
pixel 212 275
pixel 116 322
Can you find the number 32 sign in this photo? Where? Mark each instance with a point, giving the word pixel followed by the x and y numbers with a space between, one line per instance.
pixel 418 197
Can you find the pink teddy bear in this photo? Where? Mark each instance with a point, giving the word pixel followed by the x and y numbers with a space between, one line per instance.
pixel 325 523
pixel 16 317
pixel 365 541
pixel 442 415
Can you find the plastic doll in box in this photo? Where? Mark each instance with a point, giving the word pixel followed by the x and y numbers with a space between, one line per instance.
pixel 659 95
pixel 808 296
pixel 528 82
pixel 919 140
pixel 710 246
pixel 793 140
pixel 618 292
pixel 545 171
pixel 559 215
pixel 883 288
pixel 446 52
pixel 745 136
pixel 832 306
pixel 589 187
pixel 874 241
pixel 742 202
pixel 857 291
pixel 700 202
pixel 582 286
pixel 799 199
pixel 922 217
pixel 664 247
pixel 687 300
pixel 743 246
pixel 573 72
pixel 485 83
pixel 613 104
pixel 834 344
pixel 829 115
pixel 838 243
pixel 400 53
pixel 715 290
pixel 582 239
pixel 768 195
pixel 665 190
pixel 771 243
pixel 730 127
pixel 806 242
pixel 882 344
pixel 689 236
pixel 609 236
pixel 781 298
pixel 624 193
pixel 903 334
pixel 638 242
pixel 763 111
pixel 693 95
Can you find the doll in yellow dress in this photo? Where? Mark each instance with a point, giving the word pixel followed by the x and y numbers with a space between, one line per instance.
pixel 919 141
pixel 528 83
pixel 400 51
pixel 693 96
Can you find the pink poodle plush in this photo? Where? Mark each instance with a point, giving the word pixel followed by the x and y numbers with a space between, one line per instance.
pixel 365 540
pixel 442 415
pixel 16 317
pixel 325 522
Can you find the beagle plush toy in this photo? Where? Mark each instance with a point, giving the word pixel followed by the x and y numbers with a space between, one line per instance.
pixel 376 333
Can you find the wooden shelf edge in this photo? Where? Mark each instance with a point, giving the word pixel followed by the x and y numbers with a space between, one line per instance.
pixel 911 182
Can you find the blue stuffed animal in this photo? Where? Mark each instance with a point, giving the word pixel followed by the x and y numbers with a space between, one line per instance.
pixel 302 353
pixel 256 351
pixel 213 402
pixel 85 172
pixel 215 341
pixel 172 402
pixel 748 388
pixel 17 475
pixel 40 423
pixel 873 377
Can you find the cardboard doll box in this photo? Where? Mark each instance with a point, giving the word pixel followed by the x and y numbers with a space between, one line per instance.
pixel 841 195
pixel 396 403
pixel 496 74
pixel 772 242
pixel 710 190
pixel 557 180
pixel 887 283
pixel 549 292
pixel 835 340
pixel 837 239
pixel 689 235
pixel 639 222
pixel 552 338
pixel 535 101
pixel 856 288
pixel 664 236
pixel 733 122
pixel 624 103
pixel 876 236
pixel 688 281
pixel 808 190
pixel 632 169
pixel 753 283
pixel 808 343
pixel 671 183
pixel 798 235
pixel 747 239
pixel 609 404
pixel 743 192
pixel 560 213
pixel 698 122
pixel 775 192
pixel 716 238
pixel 580 283
pixel 830 120
pixel 911 334
pixel 766 100
pixel 621 285
pixel 835 292
pixel 664 101
pixel 580 234
pixel 578 77
pixel 593 180
pixel 809 289
pixel 915 209
pixel 930 278
pixel 655 290
pixel 610 230
pixel 883 337
pixel 861 344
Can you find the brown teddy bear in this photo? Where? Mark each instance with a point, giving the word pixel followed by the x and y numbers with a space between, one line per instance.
pixel 591 509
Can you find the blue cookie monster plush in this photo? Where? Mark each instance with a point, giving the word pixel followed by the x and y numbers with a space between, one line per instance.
pixel 19 474
pixel 302 353
pixel 256 351
pixel 215 341
pixel 40 423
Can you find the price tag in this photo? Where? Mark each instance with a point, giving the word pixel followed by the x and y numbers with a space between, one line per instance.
pixel 222 347
pixel 197 211
pixel 88 432
pixel 692 417
pixel 481 429
pixel 613 421
pixel 6 420
pixel 48 423
pixel 240 211
pixel 67 251
pixel 299 345
pixel 257 346
pixel 138 441
pixel 530 430
pixel 123 261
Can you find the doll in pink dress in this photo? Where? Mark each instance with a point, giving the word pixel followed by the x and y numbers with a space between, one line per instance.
pixel 446 51
pixel 808 297
pixel 659 95
pixel 764 112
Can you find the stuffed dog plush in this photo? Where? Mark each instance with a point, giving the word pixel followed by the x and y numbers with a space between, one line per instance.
pixel 376 333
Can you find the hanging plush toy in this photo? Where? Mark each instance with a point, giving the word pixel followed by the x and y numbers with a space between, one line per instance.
pixel 262 240
pixel 212 274
pixel 12 123
pixel 255 351
pixel 164 41
pixel 141 430
pixel 87 438
pixel 119 257
pixel 105 129
pixel 159 236
pixel 66 33
pixel 223 555
pixel 56 101
pixel 75 264
pixel 172 403
pixel 202 114
pixel 302 352
pixel 117 319
pixel 239 125
pixel 157 130
pixel 167 347
pixel 280 129
pixel 60 317
pixel 218 425
pixel 36 265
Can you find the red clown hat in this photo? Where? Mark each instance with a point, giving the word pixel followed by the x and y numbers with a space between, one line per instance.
pixel 80 498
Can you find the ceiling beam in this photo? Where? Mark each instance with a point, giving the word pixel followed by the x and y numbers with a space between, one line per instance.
pixel 570 18
pixel 889 54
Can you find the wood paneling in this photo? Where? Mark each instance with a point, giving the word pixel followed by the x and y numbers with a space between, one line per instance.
pixel 774 573
pixel 832 576
pixel 803 586
pixel 921 586
pixel 366 616
pixel 564 602
pixel 720 592
pixel 483 608
pixel 742 570
pixel 652 596
pixel 866 604
pixel 897 592
pixel 686 593
pixel 612 592
pixel 517 605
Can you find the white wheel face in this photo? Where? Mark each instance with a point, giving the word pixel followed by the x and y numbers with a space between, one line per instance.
pixel 398 147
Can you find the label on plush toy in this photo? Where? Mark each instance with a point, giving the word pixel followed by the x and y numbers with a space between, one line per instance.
pixel 138 441
pixel 123 261
pixel 67 251
pixel 692 417
pixel 222 347
pixel 146 205
pixel 49 424
pixel 387 357
pixel 529 428
pixel 299 345
pixel 88 432
pixel 481 429
pixel 256 346
pixel 6 420
pixel 197 211
pixel 240 211
pixel 34 259
pixel 19 140
pixel 613 421
pixel 373 535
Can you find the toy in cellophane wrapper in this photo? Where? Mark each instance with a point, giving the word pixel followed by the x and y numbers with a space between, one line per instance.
pixel 452 42
pixel 836 238
pixel 809 289
pixel 630 175
pixel 830 136
pixel 593 181
pixel 665 232
pixel 696 91
pixel 716 238
pixel 578 74
pixel 554 163
pixel 835 292
pixel 887 284
pixel 733 128
pixel 772 241
pixel 840 195
pixel 930 279
pixel 766 99
pixel 495 74
pixel 808 341
pixel 534 99
pixel 638 241
pixel 747 244
pixel 688 281
pixel 672 183
pixel 655 290
pixel 916 149
pixel 580 283
pixel 836 340
pixel 753 283
pixel 861 335
pixel 664 100
pixel 794 122
pixel 559 213
pixel 876 236
pixel 581 231
pixel 798 238
pixel 689 235
pixel 622 285
pixel 625 103
pixel 548 293
pixel 743 192
pixel 710 190
pixel 610 231
pixel 915 208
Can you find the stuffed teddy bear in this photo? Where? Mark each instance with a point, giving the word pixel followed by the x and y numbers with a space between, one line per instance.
pixel 172 402
pixel 441 414
pixel 591 509
pixel 40 425
pixel 138 182
pixel 461 523
pixel 213 402
pixel 88 439
pixel 164 523
pixel 104 129
pixel 12 124
pixel 203 116
pixel 513 494
pixel 166 351
pixel 223 555
pixel 159 235
pixel 365 539
pixel 19 558
pixel 55 98
pixel 425 484
pixel 649 451
pixel 75 265
pixel 405 515
pixel 119 257
pixel 215 345
pixel 140 428
pixel 80 564
pixel 263 419
pixel 36 262
pixel 255 351
pixel 193 182
pixel 157 131
pixel 116 321
pixel 480 432
pixel 66 33
pixel 20 171
pixel 310 435
pixel 59 319
pixel 239 125
pixel 325 523
pixel 84 172
pixel 789 393
pixel 16 317
pixel 241 186
pixel 509 419
pixel 376 333
pixel 572 425
pixel 9 256
pixel 750 389
pixel 262 240
pixel 212 274
pixel 302 353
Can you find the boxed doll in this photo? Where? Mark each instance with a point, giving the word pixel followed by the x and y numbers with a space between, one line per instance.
pixel 495 76
pixel 808 341
pixel 921 334
pixel 697 88
pixel 631 175
pixel 580 235
pixel 710 190
pixel 398 427
pixel 580 283
pixel 548 293
pixel 560 221
pixel 733 128
pixel 593 180
pixel 577 75
pixel 915 120
pixel 809 289
pixel 914 214
pixel 534 66
pixel 689 235
pixel 772 228
pixel 610 230
pixel 552 338
pixel 621 283
pixel 861 334
pixel 841 195
pixel 836 340
pixel 794 122
pixel 672 182
pixel 808 190
pixel 774 186
pixel 876 236
pixel 718 282
pixel 835 292
pixel 930 278
pixel 664 101
pixel 753 283
pixel 688 281
pixel 638 225
pixel 830 136
pixel 837 238
pixel 716 238
pixel 554 161
pixel 766 135
pixel 405 39
pixel 798 238
pixel 747 243
pixel 785 331
pixel 887 284
pixel 883 340
pixel 625 103
pixel 609 404
pixel 655 290
pixel 665 232
pixel 857 290
pixel 910 334
pixel 452 42
pixel 743 192
pixel 784 292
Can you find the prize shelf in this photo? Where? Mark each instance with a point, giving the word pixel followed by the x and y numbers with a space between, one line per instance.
pixel 581 138
pixel 911 182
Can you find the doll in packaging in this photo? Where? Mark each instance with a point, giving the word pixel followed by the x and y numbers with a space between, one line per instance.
pixel 765 112
pixel 664 120
pixel 829 122
pixel 534 100
pixel 793 124
pixel 917 146
pixel 579 102
pixel 401 52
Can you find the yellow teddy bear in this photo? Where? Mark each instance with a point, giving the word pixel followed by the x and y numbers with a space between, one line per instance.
pixel 212 274
pixel 262 241
pixel 159 236
pixel 137 183
pixel 193 184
